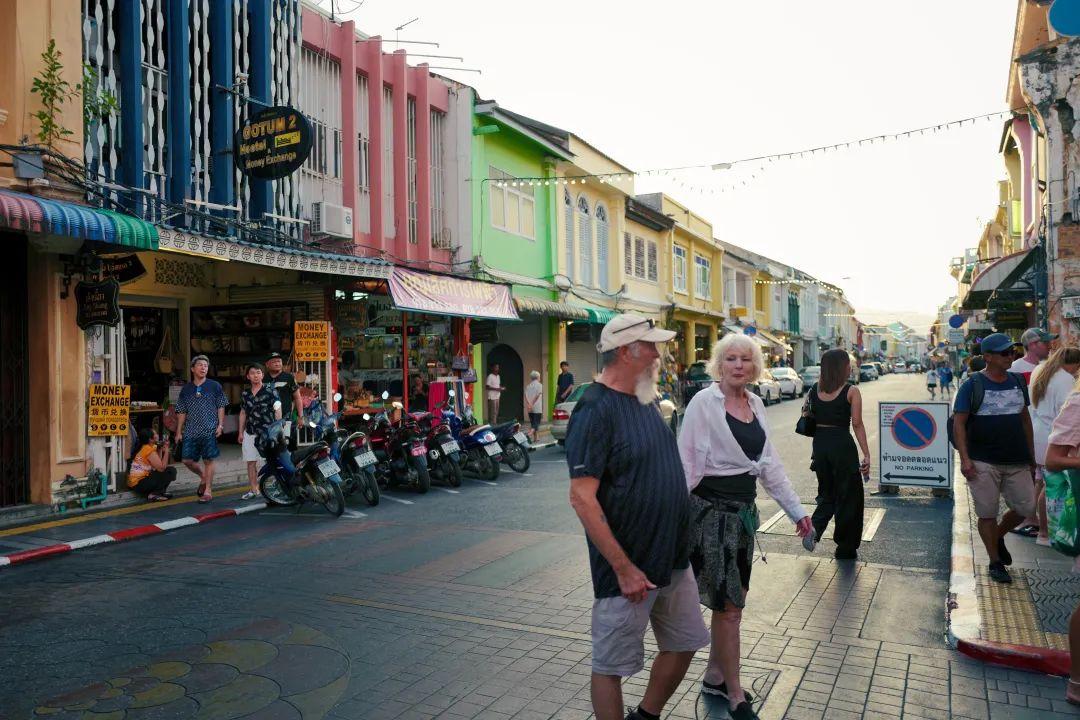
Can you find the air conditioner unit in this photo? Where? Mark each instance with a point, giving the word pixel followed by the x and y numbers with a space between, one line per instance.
pixel 330 219
pixel 1070 306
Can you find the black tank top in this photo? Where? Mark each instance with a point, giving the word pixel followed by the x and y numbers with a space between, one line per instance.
pixel 835 412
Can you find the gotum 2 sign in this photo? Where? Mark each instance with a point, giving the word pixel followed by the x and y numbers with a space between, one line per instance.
pixel 273 143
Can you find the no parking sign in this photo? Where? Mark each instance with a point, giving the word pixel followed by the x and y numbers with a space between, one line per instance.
pixel 915 444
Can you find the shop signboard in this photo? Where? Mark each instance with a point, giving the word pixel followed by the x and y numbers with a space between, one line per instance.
pixel 109 411
pixel 915 446
pixel 124 268
pixel 956 337
pixel 311 340
pixel 98 303
pixel 446 295
pixel 274 143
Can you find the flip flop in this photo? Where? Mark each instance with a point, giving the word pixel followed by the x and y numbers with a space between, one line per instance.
pixel 205 498
pixel 1026 531
pixel 201 490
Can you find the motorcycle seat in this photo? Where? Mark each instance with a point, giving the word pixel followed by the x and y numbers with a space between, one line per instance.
pixel 476 430
pixel 303 453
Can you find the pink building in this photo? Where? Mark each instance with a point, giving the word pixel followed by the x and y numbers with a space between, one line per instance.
pixel 380 146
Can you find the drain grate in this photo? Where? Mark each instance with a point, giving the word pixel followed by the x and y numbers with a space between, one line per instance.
pixel 1055 598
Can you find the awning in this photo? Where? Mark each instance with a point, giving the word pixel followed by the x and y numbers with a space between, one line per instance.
pixel 1001 276
pixel 601 316
pixel 29 213
pixel 774 340
pixel 448 295
pixel 281 257
pixel 548 308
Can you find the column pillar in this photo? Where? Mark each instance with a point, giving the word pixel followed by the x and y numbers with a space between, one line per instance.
pixel 222 109
pixel 402 249
pixel 180 99
pixel 350 152
pixel 262 200
pixel 373 46
pixel 424 230
pixel 131 101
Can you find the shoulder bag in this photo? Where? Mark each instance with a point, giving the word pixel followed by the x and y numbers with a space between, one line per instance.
pixel 807 424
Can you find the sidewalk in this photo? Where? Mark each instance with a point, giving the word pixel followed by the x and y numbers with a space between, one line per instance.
pixel 1023 624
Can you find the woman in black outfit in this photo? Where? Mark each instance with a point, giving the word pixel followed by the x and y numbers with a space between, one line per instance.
pixel 837 406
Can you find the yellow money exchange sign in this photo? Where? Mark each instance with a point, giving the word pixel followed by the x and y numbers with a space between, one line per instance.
pixel 311 340
pixel 109 412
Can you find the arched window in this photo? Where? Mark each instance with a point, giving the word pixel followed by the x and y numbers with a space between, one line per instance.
pixel 585 239
pixel 602 246
pixel 568 208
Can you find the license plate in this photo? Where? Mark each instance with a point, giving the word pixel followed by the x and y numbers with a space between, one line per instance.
pixel 450 447
pixel 365 459
pixel 492 449
pixel 418 450
pixel 520 437
pixel 287 425
pixel 329 468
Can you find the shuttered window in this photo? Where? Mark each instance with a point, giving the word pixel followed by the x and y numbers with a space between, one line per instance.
pixel 639 257
pixel 568 212
pixel 602 246
pixel 653 262
pixel 628 254
pixel 585 240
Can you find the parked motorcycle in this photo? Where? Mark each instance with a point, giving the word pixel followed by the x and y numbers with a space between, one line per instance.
pixel 444 452
pixel 479 444
pixel 514 444
pixel 350 449
pixel 309 474
pixel 400 451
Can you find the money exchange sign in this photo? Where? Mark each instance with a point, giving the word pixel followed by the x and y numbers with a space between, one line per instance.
pixel 108 415
pixel 311 340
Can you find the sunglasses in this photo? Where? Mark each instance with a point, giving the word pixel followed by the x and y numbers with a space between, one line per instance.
pixel 650 322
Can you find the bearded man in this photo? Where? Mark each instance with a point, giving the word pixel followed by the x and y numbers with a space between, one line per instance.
pixel 628 489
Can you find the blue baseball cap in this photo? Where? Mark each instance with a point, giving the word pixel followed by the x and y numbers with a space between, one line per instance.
pixel 996 343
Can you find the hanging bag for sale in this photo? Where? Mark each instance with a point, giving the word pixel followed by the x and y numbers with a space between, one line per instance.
pixel 163 359
pixel 1062 490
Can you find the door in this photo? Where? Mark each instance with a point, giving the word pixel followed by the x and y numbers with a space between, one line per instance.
pixel 511 373
pixel 14 375
pixel 582 356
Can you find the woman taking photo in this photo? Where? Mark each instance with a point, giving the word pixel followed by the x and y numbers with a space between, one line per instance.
pixel 150 473
pixel 836 405
pixel 726 452
pixel 1051 384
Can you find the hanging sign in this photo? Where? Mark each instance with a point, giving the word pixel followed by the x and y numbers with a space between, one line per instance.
pixel 124 269
pixel 273 143
pixel 311 340
pixel 97 303
pixel 108 414
pixel 956 337
pixel 915 445
pixel 447 295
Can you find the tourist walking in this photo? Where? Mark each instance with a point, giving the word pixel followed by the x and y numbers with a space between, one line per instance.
pixel 200 420
pixel 994 437
pixel 1051 384
pixel 150 473
pixel 931 381
pixel 494 393
pixel 284 384
pixel 534 403
pixel 837 409
pixel 628 489
pixel 726 452
pixel 1036 344
pixel 259 408
pixel 945 376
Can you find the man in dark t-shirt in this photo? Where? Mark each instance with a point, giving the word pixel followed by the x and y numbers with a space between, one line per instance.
pixel 628 489
pixel 565 382
pixel 284 384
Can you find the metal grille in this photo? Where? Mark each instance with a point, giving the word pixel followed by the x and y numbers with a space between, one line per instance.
pixel 14 400
pixel 388 162
pixel 411 180
pixel 320 101
pixel 363 174
pixel 155 89
pixel 241 64
pixel 199 58
pixel 99 51
pixel 285 85
pixel 437 182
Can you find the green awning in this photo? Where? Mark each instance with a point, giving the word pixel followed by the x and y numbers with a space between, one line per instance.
pixel 132 231
pixel 601 316
pixel 30 213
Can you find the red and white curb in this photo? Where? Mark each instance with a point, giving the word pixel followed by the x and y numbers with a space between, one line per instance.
pixel 128 534
pixel 964 618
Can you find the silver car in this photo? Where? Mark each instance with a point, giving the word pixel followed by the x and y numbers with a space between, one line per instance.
pixel 790 382
pixel 560 420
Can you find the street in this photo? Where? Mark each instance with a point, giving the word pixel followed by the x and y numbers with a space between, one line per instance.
pixel 474 602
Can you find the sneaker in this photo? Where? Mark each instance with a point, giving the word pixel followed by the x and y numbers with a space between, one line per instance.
pixel 249 495
pixel 743 711
pixel 998 573
pixel 1003 552
pixel 720 689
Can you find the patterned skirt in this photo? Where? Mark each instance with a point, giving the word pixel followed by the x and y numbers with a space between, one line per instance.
pixel 722 549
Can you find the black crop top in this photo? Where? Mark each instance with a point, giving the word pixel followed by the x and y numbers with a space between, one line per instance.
pixel 835 412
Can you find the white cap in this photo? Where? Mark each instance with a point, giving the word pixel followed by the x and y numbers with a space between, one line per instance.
pixel 630 328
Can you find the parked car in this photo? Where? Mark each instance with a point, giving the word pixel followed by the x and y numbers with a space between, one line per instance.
pixel 697 379
pixel 868 371
pixel 882 370
pixel 900 367
pixel 766 388
pixel 810 375
pixel 790 383
pixel 560 419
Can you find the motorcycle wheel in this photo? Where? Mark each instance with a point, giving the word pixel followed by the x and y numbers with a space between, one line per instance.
pixel 349 482
pixel 489 470
pixel 453 473
pixel 333 499
pixel 369 487
pixel 270 488
pixel 423 480
pixel 515 456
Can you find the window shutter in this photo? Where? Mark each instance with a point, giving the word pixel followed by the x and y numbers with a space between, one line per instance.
pixel 585 241
pixel 639 257
pixel 602 248
pixel 653 271
pixel 568 207
pixel 628 254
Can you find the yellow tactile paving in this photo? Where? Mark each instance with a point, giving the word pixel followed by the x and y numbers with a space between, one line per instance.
pixel 1009 615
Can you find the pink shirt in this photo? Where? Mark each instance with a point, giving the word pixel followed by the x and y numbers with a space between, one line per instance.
pixel 1066 427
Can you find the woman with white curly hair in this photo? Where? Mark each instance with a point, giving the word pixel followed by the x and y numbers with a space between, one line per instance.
pixel 726 451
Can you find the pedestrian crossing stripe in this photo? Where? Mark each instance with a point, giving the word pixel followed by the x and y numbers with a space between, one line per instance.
pixel 778 524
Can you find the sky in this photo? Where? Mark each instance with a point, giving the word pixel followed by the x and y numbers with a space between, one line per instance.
pixel 658 85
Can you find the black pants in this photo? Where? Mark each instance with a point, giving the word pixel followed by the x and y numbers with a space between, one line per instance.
pixel 840 488
pixel 156 482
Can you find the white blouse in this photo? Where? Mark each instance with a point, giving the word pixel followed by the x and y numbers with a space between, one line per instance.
pixel 1042 418
pixel 707 447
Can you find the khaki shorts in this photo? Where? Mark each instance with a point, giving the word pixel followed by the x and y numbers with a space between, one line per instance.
pixel 992 482
pixel 618 626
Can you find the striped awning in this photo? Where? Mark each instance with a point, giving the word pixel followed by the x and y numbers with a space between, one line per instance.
pixel 549 308
pixel 19 211
pixel 601 316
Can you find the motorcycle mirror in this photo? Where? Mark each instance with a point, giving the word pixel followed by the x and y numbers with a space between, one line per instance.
pixel 277 404
pixel 385 394
pixel 452 393
pixel 337 397
pixel 366 417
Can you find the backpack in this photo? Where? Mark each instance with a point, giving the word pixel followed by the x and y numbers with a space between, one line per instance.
pixel 1062 490
pixel 978 390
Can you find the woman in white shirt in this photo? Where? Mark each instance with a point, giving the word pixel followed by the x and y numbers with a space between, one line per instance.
pixel 1051 384
pixel 726 452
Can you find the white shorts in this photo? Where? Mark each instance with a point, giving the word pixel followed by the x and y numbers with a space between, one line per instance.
pixel 248 450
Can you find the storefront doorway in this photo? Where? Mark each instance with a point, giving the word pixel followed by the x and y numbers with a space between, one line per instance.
pixel 14 400
pixel 511 373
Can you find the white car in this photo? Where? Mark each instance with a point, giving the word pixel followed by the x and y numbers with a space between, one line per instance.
pixel 790 383
pixel 560 420
pixel 766 388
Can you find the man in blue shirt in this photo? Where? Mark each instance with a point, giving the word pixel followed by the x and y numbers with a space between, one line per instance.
pixel 200 412
pixel 996 446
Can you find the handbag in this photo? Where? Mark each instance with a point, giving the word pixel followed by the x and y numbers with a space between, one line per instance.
pixel 163 360
pixel 1062 491
pixel 807 423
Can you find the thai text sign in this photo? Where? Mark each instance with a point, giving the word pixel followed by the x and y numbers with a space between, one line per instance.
pixel 273 143
pixel 425 292
pixel 311 340
pixel 915 446
pixel 97 303
pixel 109 410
